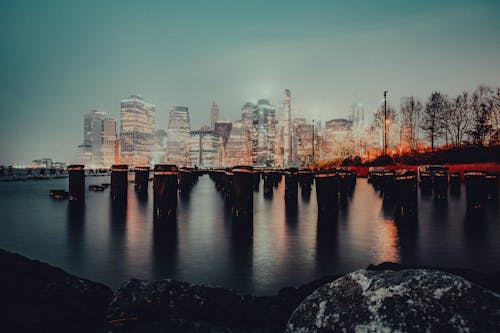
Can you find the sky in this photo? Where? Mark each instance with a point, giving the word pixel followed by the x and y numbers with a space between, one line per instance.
pixel 61 59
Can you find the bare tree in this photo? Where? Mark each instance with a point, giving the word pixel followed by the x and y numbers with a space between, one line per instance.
pixel 391 125
pixel 432 117
pixel 482 111
pixel 411 109
pixel 458 118
pixel 495 118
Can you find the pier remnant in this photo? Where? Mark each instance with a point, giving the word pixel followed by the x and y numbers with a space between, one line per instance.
pixel 327 192
pixel 141 180
pixel 475 188
pixel 165 190
pixel 242 190
pixel 76 174
pixel 119 182
pixel 291 185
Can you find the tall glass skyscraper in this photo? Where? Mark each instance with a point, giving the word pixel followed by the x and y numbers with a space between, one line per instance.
pixel 99 140
pixel 214 115
pixel 178 135
pixel 263 133
pixel 108 143
pixel 137 130
pixel 238 150
pixel 205 148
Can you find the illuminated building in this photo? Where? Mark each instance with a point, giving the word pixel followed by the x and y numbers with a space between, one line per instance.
pixel 263 133
pixel 288 150
pixel 238 149
pixel 108 142
pixel 214 115
pixel 159 146
pixel 247 113
pixel 303 135
pixel 178 136
pixel 204 148
pixel 92 136
pixel 223 129
pixel 99 140
pixel 336 139
pixel 42 163
pixel 136 132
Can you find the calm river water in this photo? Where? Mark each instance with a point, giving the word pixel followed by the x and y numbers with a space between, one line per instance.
pixel 204 245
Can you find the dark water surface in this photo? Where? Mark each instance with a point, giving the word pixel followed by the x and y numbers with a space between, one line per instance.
pixel 204 245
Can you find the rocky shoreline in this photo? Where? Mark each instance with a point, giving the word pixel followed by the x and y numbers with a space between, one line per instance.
pixel 39 297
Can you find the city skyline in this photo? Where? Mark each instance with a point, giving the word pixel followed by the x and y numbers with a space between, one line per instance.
pixel 329 54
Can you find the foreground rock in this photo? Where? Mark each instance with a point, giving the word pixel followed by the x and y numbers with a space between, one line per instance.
pixel 37 297
pixel 173 306
pixel 408 300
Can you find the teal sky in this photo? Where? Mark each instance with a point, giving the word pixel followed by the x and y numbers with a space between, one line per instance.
pixel 60 59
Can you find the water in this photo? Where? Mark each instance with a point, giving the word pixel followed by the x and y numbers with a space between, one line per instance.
pixel 204 245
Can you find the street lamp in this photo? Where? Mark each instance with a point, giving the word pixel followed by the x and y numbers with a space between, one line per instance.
pixel 385 122
pixel 313 142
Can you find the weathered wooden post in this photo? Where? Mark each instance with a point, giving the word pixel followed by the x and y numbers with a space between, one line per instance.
pixel 242 190
pixel 76 174
pixel 306 179
pixel 119 182
pixel 141 180
pixel 256 180
pixel 165 190
pixel 291 186
pixel 268 183
pixel 228 183
pixel 492 185
pixel 405 194
pixel 440 185
pixel 454 183
pixel 185 180
pixel 475 188
pixel 327 192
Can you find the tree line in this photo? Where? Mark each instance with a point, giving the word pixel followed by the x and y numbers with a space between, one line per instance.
pixel 465 119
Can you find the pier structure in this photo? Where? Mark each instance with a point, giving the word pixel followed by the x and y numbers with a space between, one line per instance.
pixel 141 179
pixel 76 174
pixel 165 186
pixel 242 190
pixel 119 183
pixel 327 192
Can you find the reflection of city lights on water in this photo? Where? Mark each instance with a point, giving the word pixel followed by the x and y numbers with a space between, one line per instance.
pixel 387 242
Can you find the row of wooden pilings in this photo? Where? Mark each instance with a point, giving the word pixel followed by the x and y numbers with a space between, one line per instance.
pixel 237 185
pixel 400 186
pixel 168 180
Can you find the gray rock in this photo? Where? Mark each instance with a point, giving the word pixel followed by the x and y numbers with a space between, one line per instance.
pixel 173 306
pixel 414 300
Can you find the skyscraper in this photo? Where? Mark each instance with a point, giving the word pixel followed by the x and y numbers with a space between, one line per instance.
pixel 247 113
pixel 92 136
pixel 205 147
pixel 263 133
pixel 303 141
pixel 137 130
pixel 238 149
pixel 288 157
pixel 178 136
pixel 214 115
pixel 99 139
pixel 108 142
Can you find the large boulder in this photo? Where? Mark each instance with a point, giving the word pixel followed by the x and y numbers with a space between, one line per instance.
pixel 412 300
pixel 37 297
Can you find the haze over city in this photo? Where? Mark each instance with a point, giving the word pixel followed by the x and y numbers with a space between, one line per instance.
pixel 59 61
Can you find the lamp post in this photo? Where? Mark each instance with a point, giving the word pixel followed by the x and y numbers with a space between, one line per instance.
pixel 313 143
pixel 385 122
